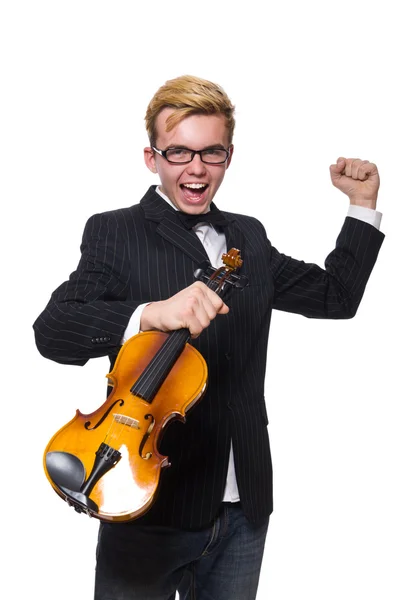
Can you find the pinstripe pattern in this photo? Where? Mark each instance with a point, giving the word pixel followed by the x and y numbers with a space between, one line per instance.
pixel 143 253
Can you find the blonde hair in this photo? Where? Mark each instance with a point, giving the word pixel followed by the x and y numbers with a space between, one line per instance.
pixel 189 96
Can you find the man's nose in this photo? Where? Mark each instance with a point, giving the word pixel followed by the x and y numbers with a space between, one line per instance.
pixel 196 166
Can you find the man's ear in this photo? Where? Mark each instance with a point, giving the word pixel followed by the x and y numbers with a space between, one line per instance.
pixel 150 160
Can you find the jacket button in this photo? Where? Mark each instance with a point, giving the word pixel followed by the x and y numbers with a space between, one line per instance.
pixel 228 355
pixel 93 340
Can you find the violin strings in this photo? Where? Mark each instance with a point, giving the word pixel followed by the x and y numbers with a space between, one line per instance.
pixel 112 435
pixel 154 374
pixel 109 432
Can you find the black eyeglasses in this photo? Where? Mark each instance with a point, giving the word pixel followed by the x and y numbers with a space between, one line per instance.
pixel 182 156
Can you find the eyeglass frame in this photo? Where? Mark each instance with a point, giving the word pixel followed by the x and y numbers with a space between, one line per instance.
pixel 193 154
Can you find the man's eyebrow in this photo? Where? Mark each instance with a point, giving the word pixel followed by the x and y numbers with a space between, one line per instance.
pixel 182 147
pixel 178 146
pixel 215 147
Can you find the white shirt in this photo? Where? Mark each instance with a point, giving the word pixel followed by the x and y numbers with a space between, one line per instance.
pixel 214 243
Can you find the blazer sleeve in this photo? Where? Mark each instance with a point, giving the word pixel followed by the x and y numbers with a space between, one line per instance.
pixel 88 314
pixel 336 291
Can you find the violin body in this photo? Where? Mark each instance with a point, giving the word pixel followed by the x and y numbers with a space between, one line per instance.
pixel 106 463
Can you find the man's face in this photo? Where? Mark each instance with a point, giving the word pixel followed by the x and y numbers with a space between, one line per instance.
pixel 196 133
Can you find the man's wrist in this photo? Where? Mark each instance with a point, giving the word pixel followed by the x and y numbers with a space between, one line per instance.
pixel 133 326
pixel 148 321
pixel 364 202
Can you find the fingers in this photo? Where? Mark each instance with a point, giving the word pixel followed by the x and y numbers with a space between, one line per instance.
pixel 200 307
pixel 337 169
pixel 354 168
pixel 340 165
pixel 366 170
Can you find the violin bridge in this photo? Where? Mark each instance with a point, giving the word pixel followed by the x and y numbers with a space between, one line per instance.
pixel 124 420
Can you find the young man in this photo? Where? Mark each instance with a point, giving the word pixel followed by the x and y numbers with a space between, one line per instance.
pixel 205 534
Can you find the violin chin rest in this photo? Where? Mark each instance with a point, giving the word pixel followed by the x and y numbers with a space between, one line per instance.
pixel 66 470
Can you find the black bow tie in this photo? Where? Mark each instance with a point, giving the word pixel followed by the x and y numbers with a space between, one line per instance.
pixel 215 217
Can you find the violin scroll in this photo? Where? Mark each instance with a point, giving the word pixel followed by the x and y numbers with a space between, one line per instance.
pixel 232 259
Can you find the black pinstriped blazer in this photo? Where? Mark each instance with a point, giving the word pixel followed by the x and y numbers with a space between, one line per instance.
pixel 143 253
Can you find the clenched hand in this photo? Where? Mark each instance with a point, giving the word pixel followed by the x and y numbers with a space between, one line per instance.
pixel 192 308
pixel 357 178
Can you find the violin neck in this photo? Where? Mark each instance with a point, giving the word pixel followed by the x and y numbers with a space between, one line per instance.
pixel 152 378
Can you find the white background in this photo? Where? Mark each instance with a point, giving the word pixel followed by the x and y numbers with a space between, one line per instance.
pixel 311 81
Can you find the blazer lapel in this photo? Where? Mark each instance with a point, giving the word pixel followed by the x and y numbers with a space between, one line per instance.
pixel 184 239
pixel 170 227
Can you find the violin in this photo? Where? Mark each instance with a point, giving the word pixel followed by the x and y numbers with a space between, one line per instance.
pixel 106 464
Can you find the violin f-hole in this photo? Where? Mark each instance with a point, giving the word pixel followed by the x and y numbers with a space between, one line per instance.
pixel 101 420
pixel 146 437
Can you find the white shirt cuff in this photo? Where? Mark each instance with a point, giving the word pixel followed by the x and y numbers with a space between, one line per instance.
pixel 134 324
pixel 368 215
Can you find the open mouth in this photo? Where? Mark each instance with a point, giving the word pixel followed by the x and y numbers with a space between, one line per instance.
pixel 194 191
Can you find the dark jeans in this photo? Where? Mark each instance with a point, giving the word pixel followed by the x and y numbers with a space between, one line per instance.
pixel 141 562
